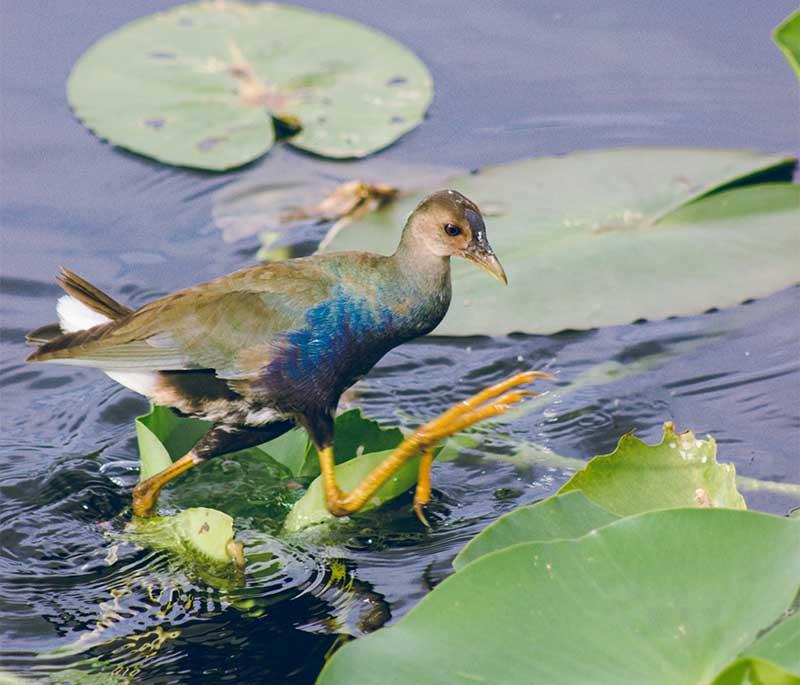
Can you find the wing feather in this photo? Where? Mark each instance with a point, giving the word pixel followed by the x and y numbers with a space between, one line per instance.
pixel 232 325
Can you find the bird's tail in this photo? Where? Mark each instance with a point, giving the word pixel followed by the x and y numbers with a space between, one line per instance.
pixel 84 306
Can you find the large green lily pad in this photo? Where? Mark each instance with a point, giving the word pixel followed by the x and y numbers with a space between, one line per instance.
pixel 655 598
pixel 787 37
pixel 200 85
pixel 599 238
pixel 564 517
pixel 680 471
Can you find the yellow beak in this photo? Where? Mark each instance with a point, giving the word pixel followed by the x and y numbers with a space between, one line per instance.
pixel 488 261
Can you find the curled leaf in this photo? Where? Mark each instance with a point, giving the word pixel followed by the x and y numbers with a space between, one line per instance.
pixel 680 471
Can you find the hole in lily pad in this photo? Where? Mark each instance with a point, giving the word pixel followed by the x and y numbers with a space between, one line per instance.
pixel 209 143
pixel 397 81
pixel 156 123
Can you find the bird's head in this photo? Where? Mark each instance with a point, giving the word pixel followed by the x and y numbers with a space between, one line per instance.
pixel 449 224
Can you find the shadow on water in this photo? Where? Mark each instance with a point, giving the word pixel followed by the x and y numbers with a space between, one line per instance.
pixel 569 76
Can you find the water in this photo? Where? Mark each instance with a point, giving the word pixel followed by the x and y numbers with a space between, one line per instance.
pixel 516 79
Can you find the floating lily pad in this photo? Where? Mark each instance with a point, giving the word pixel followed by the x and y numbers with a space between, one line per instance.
pixel 654 598
pixel 680 471
pixel 787 37
pixel 203 84
pixel 608 237
pixel 556 518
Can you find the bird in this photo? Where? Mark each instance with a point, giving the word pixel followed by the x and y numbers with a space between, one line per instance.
pixel 274 346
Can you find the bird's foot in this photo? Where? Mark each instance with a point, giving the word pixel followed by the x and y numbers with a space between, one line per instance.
pixel 144 499
pixel 145 494
pixel 492 401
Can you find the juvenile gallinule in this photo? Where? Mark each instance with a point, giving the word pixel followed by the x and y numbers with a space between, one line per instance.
pixel 273 346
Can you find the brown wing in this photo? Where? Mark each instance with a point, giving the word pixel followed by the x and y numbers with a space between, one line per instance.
pixel 230 325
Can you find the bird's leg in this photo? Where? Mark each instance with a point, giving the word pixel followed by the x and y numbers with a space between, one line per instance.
pixel 492 401
pixel 422 493
pixel 219 440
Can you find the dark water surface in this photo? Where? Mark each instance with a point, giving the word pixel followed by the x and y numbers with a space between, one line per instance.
pixel 513 79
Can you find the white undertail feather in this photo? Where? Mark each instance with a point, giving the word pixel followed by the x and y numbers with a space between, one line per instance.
pixel 73 316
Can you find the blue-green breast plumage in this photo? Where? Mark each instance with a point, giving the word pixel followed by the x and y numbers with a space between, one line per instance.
pixel 373 307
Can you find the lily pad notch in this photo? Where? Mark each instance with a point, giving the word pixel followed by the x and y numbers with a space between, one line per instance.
pixel 212 85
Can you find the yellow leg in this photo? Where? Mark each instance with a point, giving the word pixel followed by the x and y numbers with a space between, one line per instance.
pixel 145 495
pixel 490 402
pixel 422 494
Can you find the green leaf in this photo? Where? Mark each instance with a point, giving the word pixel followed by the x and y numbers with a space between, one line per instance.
pixel 163 437
pixel 787 37
pixel 655 598
pixel 755 671
pixel 680 471
pixel 311 510
pixel 563 517
pixel 354 434
pixel 590 239
pixel 780 645
pixel 205 534
pixel 200 84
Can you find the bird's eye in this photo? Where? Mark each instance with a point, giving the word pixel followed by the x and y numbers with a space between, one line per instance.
pixel 451 229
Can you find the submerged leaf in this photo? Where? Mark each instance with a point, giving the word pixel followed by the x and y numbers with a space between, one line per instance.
pixel 653 598
pixel 206 534
pixel 787 37
pixel 200 84
pixel 680 471
pixel 608 237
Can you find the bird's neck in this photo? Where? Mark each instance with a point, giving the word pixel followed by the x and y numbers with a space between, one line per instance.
pixel 415 262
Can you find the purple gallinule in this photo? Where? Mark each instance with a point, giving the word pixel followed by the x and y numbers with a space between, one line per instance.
pixel 274 346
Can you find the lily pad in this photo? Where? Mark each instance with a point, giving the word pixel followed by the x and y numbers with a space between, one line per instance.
pixel 310 509
pixel 203 84
pixel 608 237
pixel 197 532
pixel 680 471
pixel 556 518
pixel 754 671
pixel 163 436
pixel 780 645
pixel 653 598
pixel 787 37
